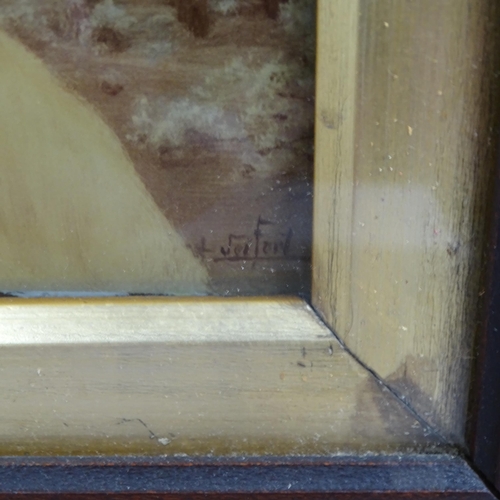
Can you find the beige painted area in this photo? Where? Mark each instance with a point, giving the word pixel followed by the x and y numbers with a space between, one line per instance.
pixel 411 181
pixel 74 215
pixel 205 376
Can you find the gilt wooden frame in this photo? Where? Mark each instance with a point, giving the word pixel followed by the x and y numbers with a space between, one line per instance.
pixel 61 339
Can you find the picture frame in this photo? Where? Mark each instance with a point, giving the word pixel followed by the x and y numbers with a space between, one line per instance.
pixel 258 379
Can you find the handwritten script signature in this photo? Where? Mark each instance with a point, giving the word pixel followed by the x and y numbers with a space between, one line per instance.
pixel 259 245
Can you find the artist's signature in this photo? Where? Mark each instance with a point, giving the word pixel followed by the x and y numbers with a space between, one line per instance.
pixel 258 245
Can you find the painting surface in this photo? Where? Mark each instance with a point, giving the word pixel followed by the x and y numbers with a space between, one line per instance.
pixel 156 146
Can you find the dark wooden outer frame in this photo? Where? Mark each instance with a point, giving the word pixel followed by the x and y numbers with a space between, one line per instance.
pixel 484 424
pixel 392 477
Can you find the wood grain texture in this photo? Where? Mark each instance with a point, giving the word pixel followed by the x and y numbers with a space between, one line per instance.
pixel 412 477
pixel 206 377
pixel 336 83
pixel 421 161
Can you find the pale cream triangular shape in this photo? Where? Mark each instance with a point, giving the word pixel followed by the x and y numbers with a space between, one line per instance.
pixel 74 214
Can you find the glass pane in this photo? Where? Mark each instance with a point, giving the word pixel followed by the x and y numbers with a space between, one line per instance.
pixel 159 147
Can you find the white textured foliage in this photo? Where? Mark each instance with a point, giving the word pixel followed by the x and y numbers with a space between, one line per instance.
pixel 297 13
pixel 107 13
pixel 224 7
pixel 259 92
pixel 255 95
pixel 167 123
pixel 27 14
pixel 20 10
pixel 298 18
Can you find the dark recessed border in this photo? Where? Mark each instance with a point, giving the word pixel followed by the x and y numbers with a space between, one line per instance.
pixel 484 412
pixel 370 477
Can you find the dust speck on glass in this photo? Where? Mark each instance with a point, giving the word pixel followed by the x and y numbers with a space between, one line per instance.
pixel 156 147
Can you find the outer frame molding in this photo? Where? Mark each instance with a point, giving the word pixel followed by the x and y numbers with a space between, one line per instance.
pixel 484 422
pixel 411 477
